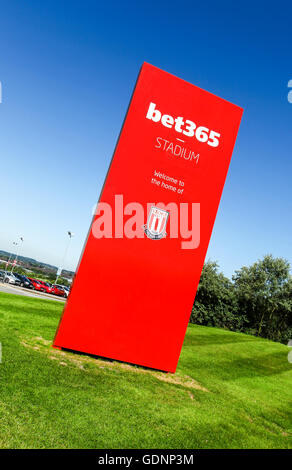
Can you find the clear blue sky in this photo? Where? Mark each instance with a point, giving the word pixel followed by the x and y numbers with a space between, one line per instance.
pixel 68 69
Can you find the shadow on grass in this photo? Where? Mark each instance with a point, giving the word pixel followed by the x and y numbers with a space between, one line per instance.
pixel 263 365
pixel 197 339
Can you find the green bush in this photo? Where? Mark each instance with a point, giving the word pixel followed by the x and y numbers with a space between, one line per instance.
pixel 216 303
pixel 257 301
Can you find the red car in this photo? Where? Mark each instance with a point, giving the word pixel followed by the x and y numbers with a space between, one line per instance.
pixel 46 287
pixel 58 291
pixel 36 284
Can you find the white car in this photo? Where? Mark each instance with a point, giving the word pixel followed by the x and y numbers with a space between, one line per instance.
pixel 11 279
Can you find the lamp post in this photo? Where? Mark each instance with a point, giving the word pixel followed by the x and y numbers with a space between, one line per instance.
pixel 17 254
pixel 10 256
pixel 59 272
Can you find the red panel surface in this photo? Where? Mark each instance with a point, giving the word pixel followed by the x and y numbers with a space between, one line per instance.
pixel 142 289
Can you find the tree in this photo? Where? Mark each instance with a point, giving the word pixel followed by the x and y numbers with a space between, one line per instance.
pixel 215 303
pixel 264 295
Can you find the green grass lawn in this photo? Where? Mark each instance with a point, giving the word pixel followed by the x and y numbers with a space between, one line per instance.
pixel 230 391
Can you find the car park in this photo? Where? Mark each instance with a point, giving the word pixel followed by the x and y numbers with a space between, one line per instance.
pixel 21 280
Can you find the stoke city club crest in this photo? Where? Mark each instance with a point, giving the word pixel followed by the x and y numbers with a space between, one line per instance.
pixel 156 223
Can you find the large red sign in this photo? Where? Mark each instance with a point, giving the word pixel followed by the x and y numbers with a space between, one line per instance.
pixel 138 275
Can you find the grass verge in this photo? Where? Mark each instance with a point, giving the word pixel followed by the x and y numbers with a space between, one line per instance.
pixel 230 390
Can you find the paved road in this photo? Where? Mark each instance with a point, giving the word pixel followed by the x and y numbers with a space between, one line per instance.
pixel 9 289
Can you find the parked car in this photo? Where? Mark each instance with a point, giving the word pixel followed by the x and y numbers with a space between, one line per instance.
pixel 11 279
pixel 67 290
pixel 2 275
pixel 36 284
pixel 46 286
pixel 64 288
pixel 58 290
pixel 24 281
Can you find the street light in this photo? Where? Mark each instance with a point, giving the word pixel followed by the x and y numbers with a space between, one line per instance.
pixel 59 272
pixel 10 256
pixel 17 253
